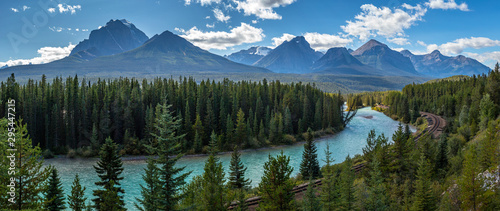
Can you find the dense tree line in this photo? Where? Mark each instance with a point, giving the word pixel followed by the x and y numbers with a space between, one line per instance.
pixel 76 113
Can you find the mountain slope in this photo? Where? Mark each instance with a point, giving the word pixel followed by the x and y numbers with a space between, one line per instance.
pixel 340 61
pixel 380 56
pixel 115 37
pixel 249 56
pixel 294 56
pixel 438 65
pixel 163 54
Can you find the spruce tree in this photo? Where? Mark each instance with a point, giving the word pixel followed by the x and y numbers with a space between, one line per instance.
pixel 54 196
pixel 170 177
pixel 471 185
pixel 377 200
pixel 214 194
pixel 311 202
pixel 111 200
pixel 310 165
pixel 347 178
pixel 275 187
pixel 30 177
pixel 241 129
pixel 109 168
pixel 76 200
pixel 423 198
pixel 237 172
pixel 148 192
pixel 329 188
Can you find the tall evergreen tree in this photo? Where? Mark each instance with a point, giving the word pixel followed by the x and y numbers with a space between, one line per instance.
pixel 111 200
pixel 275 187
pixel 109 168
pixel 237 170
pixel 241 128
pixel 54 195
pixel 311 202
pixel 214 193
pixel 149 192
pixel 347 178
pixel 470 184
pixel 329 188
pixel 76 200
pixel 310 165
pixel 423 199
pixel 171 178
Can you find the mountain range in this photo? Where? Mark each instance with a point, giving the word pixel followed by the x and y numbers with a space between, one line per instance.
pixel 121 49
pixel 438 65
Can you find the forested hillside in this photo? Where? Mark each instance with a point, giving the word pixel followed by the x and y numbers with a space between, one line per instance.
pixel 458 171
pixel 73 113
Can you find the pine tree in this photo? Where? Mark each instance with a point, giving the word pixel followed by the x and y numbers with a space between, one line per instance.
pixel 237 172
pixel 423 198
pixel 148 192
pixel 377 199
pixel 76 200
pixel 109 168
pixel 241 128
pixel 347 178
pixel 171 179
pixel 470 184
pixel 311 202
pixel 214 194
pixel 198 138
pixel 111 200
pixel 275 186
pixel 310 165
pixel 54 196
pixel 329 188
pixel 30 177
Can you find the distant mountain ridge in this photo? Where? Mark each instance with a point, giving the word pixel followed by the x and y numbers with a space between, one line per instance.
pixel 380 56
pixel 294 56
pixel 340 61
pixel 438 65
pixel 115 37
pixel 249 56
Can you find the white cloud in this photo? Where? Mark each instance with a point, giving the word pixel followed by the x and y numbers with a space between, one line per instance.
pixel 64 8
pixel 484 57
pixel 202 2
pixel 375 21
pixel 25 8
pixel 222 40
pixel 398 49
pixel 399 41
pixel 421 43
pixel 255 21
pixel 285 37
pixel 322 42
pixel 263 9
pixel 14 10
pixel 445 5
pixel 219 15
pixel 459 45
pixel 319 42
pixel 56 29
pixel 47 54
pixel 208 17
pixel 51 10
pixel 85 30
pixel 210 26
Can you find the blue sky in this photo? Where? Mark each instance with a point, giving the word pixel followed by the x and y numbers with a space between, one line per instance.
pixel 44 30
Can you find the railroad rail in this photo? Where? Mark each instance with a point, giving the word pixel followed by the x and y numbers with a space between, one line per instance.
pixel 435 127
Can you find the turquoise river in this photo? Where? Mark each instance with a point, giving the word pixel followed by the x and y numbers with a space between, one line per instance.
pixel 348 142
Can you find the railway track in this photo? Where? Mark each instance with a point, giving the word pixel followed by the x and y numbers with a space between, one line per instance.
pixel 435 127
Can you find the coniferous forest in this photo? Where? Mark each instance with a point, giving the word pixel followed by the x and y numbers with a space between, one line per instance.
pixel 457 171
pixel 74 114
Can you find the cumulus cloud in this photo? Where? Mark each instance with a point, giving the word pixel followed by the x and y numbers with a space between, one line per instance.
pixel 25 8
pixel 222 40
pixel 459 45
pixel 446 5
pixel 322 42
pixel 208 17
pixel 47 54
pixel 319 42
pixel 255 21
pixel 375 21
pixel 65 8
pixel 219 15
pixel 399 41
pixel 210 26
pixel 263 9
pixel 14 10
pixel 285 37
pixel 484 57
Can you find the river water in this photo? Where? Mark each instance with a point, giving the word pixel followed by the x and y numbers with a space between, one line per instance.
pixel 348 142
